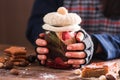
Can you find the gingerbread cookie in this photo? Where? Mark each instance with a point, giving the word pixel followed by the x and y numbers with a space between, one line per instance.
pixel 17 55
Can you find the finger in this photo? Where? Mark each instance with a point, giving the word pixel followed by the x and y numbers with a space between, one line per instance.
pixel 76 66
pixel 75 54
pixel 41 35
pixel 41 50
pixel 76 46
pixel 41 42
pixel 79 36
pixel 42 57
pixel 42 61
pixel 76 61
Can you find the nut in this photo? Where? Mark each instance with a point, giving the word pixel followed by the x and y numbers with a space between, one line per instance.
pixel 102 77
pixel 1 65
pixel 62 11
pixel 14 71
pixel 110 77
pixel 77 71
pixel 2 59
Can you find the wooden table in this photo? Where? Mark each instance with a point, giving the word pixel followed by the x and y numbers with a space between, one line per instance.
pixel 37 72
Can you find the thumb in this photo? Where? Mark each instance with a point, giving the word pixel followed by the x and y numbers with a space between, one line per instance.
pixel 79 36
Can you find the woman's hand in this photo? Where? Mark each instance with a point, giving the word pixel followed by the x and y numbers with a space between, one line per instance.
pixel 41 49
pixel 78 53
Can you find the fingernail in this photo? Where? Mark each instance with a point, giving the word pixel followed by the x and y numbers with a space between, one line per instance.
pixel 68 55
pixel 43 43
pixel 69 47
pixel 44 50
pixel 70 62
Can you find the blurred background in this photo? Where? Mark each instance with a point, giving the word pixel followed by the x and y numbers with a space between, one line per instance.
pixel 14 15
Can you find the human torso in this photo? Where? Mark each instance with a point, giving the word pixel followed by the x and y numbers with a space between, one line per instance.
pixel 93 20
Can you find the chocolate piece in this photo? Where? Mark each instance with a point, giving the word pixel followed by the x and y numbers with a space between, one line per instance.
pixel 31 58
pixel 110 77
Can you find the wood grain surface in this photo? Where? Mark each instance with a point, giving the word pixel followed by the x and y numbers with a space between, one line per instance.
pixel 36 72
